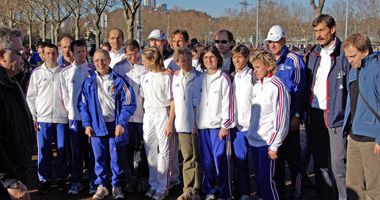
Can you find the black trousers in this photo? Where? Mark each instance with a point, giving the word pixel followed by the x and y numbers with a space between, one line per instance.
pixel 289 151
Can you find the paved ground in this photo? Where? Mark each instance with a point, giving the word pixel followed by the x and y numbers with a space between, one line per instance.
pixel 174 193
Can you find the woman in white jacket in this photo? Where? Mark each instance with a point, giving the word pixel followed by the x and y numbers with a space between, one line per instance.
pixel 215 118
pixel 269 122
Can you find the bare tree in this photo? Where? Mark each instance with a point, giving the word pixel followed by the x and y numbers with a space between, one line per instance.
pixel 30 20
pixel 39 8
pixel 12 12
pixel 96 9
pixel 77 6
pixel 57 12
pixel 317 8
pixel 130 9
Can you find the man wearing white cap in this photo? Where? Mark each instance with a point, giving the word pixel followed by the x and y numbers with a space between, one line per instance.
pixel 291 70
pixel 157 38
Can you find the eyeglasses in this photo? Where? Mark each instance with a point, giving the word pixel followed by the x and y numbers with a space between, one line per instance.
pixel 221 41
pixel 18 52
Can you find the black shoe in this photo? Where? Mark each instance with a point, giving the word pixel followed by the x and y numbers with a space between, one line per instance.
pixel 61 185
pixel 131 184
pixel 43 187
pixel 307 182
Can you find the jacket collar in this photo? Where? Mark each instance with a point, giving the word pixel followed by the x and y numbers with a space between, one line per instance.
pixel 368 59
pixel 192 74
pixel 243 72
pixel 54 70
pixel 266 79
pixel 283 55
pixel 4 79
pixel 215 76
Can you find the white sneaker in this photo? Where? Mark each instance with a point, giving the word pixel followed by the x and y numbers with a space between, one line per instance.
pixel 160 195
pixel 75 188
pixel 100 193
pixel 117 193
pixel 210 197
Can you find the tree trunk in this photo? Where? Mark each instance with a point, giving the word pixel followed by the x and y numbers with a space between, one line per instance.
pixel 98 31
pixel 30 34
pixel 317 8
pixel 130 29
pixel 77 18
pixel 317 11
pixel 56 32
pixel 43 29
pixel 97 38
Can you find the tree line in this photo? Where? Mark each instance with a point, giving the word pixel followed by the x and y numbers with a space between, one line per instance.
pixel 41 18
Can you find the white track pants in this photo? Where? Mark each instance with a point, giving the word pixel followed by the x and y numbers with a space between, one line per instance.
pixel 157 147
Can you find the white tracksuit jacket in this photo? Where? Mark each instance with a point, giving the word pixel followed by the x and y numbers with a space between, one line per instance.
pixel 243 91
pixel 216 107
pixel 133 72
pixel 44 95
pixel 269 114
pixel 185 98
pixel 72 78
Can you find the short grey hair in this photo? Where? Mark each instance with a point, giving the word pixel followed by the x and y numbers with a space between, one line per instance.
pixel 7 35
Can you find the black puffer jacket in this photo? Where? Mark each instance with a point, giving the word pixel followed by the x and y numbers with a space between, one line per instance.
pixel 16 131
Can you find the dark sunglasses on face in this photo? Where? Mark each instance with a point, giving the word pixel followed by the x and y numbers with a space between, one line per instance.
pixel 221 41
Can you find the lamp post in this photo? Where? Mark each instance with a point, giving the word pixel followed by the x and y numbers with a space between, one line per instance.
pixel 346 27
pixel 168 23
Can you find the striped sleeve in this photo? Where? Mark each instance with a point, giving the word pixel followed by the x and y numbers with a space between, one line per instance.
pixel 282 106
pixel 227 109
pixel 127 102
pixel 297 67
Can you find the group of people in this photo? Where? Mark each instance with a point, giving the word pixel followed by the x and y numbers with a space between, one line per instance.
pixel 230 112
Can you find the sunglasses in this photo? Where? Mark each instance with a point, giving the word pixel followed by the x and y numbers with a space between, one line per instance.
pixel 221 41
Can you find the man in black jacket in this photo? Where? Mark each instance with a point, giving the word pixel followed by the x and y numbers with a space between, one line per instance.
pixel 16 127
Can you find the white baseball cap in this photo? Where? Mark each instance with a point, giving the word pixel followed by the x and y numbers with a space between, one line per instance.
pixel 157 34
pixel 276 33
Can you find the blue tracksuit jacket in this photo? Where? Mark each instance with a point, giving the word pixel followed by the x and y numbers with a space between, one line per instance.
pixel 292 72
pixel 91 112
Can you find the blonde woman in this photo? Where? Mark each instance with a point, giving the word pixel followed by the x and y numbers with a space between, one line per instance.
pixel 157 97
pixel 269 122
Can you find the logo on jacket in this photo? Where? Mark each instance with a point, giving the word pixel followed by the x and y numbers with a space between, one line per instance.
pixel 112 89
pixel 341 74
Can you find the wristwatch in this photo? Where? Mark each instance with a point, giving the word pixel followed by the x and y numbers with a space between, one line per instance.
pixel 297 115
pixel 14 185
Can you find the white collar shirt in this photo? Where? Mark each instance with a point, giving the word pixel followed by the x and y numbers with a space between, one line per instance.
pixel 319 88
pixel 105 96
